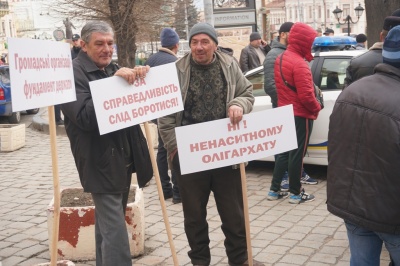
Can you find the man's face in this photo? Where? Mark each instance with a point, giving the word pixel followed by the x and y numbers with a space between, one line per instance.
pixel 202 48
pixel 99 48
pixel 283 38
pixel 76 42
pixel 256 43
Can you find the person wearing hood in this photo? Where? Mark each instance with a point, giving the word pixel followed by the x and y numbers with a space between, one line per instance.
pixel 278 46
pixel 294 84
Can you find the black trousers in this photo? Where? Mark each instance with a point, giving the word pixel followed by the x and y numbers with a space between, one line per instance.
pixel 292 161
pixel 57 112
pixel 162 164
pixel 195 189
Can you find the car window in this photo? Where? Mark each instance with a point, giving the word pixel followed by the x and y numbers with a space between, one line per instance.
pixel 333 73
pixel 5 75
pixel 258 84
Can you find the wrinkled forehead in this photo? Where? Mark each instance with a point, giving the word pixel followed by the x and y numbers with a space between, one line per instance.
pixel 101 37
pixel 202 37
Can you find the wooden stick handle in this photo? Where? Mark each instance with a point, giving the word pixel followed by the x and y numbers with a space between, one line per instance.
pixel 246 214
pixel 56 184
pixel 160 192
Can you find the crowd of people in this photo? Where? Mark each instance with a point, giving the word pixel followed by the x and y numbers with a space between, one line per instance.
pixel 362 180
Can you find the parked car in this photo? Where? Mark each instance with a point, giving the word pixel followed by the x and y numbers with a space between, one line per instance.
pixel 324 67
pixel 5 98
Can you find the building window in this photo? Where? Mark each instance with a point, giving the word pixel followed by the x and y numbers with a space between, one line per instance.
pixel 310 11
pixel 346 10
pixel 328 13
pixel 290 12
pixel 295 12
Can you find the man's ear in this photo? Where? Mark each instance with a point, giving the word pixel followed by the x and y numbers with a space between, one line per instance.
pixel 83 46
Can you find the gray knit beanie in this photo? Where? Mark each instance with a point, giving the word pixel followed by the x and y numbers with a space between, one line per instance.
pixel 205 28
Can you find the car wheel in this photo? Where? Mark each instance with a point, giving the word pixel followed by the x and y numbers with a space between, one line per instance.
pixel 15 118
pixel 33 111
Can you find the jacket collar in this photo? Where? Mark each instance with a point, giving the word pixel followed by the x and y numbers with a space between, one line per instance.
pixel 166 50
pixel 377 46
pixel 276 44
pixel 387 69
pixel 89 65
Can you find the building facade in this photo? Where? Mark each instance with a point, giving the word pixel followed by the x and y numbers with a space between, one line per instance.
pixel 316 13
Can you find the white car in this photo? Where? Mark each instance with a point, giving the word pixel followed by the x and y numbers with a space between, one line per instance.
pixel 323 66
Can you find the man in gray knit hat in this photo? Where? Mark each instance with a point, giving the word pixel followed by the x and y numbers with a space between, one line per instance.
pixel 213 87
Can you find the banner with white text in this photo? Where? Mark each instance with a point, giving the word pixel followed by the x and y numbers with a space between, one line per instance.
pixel 219 143
pixel 119 105
pixel 41 73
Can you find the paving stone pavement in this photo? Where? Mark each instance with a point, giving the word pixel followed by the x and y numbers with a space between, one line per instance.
pixel 282 233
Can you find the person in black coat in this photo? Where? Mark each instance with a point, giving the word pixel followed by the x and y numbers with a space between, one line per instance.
pixel 76 46
pixel 364 64
pixel 363 154
pixel 166 54
pixel 106 162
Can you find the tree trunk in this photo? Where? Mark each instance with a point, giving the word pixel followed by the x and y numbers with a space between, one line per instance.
pixel 125 27
pixel 376 11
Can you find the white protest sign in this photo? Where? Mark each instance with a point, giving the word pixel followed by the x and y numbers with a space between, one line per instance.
pixel 119 105
pixel 219 143
pixel 41 73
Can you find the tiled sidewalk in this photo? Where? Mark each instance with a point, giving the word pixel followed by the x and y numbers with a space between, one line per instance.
pixel 282 233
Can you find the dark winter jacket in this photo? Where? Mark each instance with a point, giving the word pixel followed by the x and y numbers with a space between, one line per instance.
pixel 364 152
pixel 162 57
pixel 364 64
pixel 269 77
pixel 102 160
pixel 297 73
pixel 74 52
pixel 249 58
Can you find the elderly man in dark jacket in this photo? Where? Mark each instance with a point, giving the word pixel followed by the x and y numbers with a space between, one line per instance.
pixel 364 64
pixel 363 159
pixel 253 55
pixel 212 87
pixel 105 162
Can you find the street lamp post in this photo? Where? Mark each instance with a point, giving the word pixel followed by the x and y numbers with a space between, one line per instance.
pixel 338 14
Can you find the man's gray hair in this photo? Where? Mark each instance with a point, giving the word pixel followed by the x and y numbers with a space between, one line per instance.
pixel 95 26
